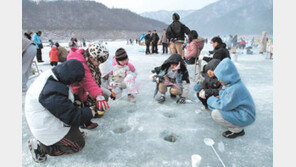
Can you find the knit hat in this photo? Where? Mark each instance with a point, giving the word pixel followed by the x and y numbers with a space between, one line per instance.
pixel 120 54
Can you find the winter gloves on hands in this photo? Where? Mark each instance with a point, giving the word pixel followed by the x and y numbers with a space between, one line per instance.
pixel 102 104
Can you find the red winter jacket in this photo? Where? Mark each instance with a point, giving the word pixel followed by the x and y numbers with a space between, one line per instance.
pixel 54 54
pixel 88 84
pixel 194 48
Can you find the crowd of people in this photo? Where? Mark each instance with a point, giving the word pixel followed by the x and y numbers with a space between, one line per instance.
pixel 65 98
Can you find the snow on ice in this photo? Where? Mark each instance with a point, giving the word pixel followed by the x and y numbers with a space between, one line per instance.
pixel 150 134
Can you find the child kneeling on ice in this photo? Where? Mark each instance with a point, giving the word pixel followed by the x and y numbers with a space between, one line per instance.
pixel 234 108
pixel 123 75
pixel 51 115
pixel 172 73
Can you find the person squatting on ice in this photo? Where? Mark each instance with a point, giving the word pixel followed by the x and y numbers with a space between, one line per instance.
pixel 123 75
pixel 234 108
pixel 172 73
pixel 51 115
pixel 210 86
pixel 88 92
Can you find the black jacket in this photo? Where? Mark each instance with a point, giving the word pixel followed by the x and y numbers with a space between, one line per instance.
pixel 177 31
pixel 155 38
pixel 211 85
pixel 148 39
pixel 220 52
pixel 174 58
pixel 54 95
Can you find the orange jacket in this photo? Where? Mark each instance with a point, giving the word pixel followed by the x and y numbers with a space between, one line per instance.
pixel 54 54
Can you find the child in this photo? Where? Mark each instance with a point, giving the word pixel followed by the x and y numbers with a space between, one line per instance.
pixel 210 85
pixel 51 115
pixel 105 69
pixel 234 107
pixel 54 56
pixel 123 75
pixel 172 73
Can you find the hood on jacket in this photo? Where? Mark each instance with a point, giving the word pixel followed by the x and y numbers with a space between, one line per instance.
pixel 69 72
pixel 212 64
pixel 176 17
pixel 173 59
pixel 227 72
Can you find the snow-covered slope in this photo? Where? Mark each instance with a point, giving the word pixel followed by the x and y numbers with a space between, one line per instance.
pixel 146 124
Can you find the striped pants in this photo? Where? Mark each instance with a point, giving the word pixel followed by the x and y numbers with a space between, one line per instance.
pixel 73 142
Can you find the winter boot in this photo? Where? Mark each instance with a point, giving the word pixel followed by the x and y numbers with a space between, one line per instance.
pixel 161 99
pixel 37 155
pixel 131 98
pixel 90 125
pixel 232 135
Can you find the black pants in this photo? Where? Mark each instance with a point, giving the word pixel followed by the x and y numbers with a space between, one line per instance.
pixel 39 55
pixel 73 142
pixel 53 63
pixel 154 48
pixel 164 48
pixel 203 101
pixel 147 48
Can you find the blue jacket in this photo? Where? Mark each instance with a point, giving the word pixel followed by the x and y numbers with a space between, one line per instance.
pixel 235 103
pixel 37 40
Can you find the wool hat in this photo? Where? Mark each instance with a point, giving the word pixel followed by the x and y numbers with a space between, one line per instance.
pixel 120 54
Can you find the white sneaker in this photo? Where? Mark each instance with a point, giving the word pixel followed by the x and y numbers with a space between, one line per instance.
pixel 34 147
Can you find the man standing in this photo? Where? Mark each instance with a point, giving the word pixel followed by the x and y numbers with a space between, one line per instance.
pixel 155 39
pixel 147 42
pixel 176 35
pixel 164 42
pixel 28 54
pixel 39 46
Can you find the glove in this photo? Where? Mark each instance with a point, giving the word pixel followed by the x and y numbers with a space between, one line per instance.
pixel 181 100
pixel 202 94
pixel 159 79
pixel 102 105
pixel 112 96
pixel 201 57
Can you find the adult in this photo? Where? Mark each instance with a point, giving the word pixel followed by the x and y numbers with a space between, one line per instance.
pixel 263 42
pixel 28 35
pixel 220 52
pixel 63 52
pixel 28 54
pixel 195 46
pixel 155 39
pixel 164 42
pixel 229 42
pixel 88 92
pixel 176 34
pixel 51 115
pixel 39 45
pixel 234 44
pixel 148 41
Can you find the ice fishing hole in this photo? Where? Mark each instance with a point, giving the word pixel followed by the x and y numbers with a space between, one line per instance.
pixel 121 129
pixel 169 115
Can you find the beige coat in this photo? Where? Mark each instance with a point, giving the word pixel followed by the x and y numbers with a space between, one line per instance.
pixel 263 42
pixel 25 43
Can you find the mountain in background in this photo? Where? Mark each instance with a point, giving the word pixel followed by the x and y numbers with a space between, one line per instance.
pixel 82 16
pixel 225 17
pixel 166 16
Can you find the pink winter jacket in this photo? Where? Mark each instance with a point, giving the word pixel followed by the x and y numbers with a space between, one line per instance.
pixel 195 48
pixel 131 67
pixel 88 84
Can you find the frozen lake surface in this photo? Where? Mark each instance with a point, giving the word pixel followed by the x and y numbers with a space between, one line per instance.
pixel 134 135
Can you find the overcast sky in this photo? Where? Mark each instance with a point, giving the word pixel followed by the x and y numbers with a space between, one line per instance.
pixel 140 6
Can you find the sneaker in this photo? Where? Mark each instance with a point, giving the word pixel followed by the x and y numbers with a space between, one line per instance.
pixel 89 126
pixel 40 61
pixel 37 155
pixel 131 98
pixel 161 99
pixel 232 135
